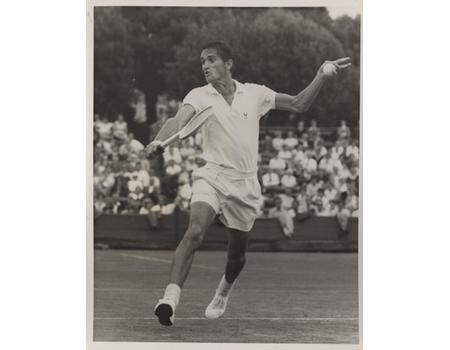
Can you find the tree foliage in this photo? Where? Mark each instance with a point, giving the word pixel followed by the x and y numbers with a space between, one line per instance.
pixel 158 49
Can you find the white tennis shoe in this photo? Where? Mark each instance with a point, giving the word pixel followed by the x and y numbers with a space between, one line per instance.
pixel 216 307
pixel 165 311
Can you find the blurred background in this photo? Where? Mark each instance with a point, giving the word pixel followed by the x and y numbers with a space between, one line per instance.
pixel 147 59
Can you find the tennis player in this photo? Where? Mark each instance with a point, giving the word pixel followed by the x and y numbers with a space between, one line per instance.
pixel 227 185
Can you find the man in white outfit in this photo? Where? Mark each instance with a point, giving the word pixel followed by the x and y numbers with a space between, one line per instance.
pixel 227 185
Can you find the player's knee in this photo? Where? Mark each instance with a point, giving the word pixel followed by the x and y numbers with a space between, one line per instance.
pixel 194 236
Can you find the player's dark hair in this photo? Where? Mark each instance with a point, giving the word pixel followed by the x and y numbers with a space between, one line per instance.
pixel 223 50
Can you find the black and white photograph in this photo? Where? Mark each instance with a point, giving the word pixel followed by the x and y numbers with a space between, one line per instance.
pixel 225 179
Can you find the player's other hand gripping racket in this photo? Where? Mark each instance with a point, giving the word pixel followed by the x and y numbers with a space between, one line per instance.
pixel 157 146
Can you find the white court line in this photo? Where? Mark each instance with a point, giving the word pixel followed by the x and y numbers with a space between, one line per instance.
pixel 242 318
pixel 166 261
pixel 255 290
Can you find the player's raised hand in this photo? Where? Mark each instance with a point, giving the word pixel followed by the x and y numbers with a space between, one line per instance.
pixel 154 148
pixel 331 68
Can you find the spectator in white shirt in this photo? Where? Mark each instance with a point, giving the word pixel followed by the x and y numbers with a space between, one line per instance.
pixel 300 129
pixel 172 168
pixel 352 150
pixel 172 153
pixel 135 145
pixel 326 164
pixel 330 193
pixel 277 141
pixel 277 163
pixel 351 202
pixel 186 150
pixel 319 150
pixel 143 175
pixel 288 179
pixel 270 179
pixel 312 187
pixel 285 153
pixel 310 167
pixel 120 128
pixel 337 150
pixel 104 128
pixel 285 220
pixel 134 183
pixel 302 199
pixel 146 209
pixel 291 141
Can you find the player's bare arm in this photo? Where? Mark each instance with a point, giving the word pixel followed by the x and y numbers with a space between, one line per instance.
pixel 302 101
pixel 171 127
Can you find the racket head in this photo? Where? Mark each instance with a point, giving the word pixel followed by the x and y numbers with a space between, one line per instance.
pixel 196 122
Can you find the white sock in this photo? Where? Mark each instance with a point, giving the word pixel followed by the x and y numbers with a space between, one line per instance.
pixel 173 292
pixel 224 288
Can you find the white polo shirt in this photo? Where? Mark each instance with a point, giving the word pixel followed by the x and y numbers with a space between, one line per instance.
pixel 230 137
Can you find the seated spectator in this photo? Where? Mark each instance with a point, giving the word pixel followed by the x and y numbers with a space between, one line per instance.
pixel 300 154
pixel 312 187
pixel 104 128
pixel 135 145
pixel 352 150
pixel 343 131
pixel 285 153
pixel 302 199
pixel 353 174
pixel 186 149
pixel 318 200
pixel 143 175
pixel 167 207
pixel 313 131
pixel 288 179
pixel 344 173
pixel 270 179
pixel 184 195
pixel 172 168
pixel 300 129
pixel 183 177
pixel 265 145
pixel 319 151
pixel 320 209
pixel 355 213
pixel 351 202
pixel 304 141
pixel 134 183
pixel 310 167
pixel 120 128
pixel 284 218
pixel 331 209
pixel 277 141
pixel 291 141
pixel 134 200
pixel 277 163
pixel 189 164
pixel 326 164
pixel 172 153
pixel 330 193
pixel 337 151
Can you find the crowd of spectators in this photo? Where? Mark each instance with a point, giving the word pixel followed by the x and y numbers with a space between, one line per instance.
pixel 301 174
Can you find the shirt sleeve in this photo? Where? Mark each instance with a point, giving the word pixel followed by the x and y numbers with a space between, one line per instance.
pixel 194 99
pixel 266 98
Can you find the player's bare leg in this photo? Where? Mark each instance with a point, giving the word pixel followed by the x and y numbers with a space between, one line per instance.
pixel 201 216
pixel 237 246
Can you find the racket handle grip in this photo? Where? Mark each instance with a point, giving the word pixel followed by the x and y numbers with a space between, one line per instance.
pixel 170 139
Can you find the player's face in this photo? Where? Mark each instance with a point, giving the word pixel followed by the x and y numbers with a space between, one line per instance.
pixel 214 68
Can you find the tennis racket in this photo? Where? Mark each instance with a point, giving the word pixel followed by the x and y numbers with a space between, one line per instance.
pixel 191 127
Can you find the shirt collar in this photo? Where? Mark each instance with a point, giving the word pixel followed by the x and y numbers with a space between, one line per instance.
pixel 240 88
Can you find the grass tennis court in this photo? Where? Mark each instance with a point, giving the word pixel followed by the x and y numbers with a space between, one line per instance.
pixel 279 298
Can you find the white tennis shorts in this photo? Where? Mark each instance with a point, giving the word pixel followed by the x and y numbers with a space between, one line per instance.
pixel 234 195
